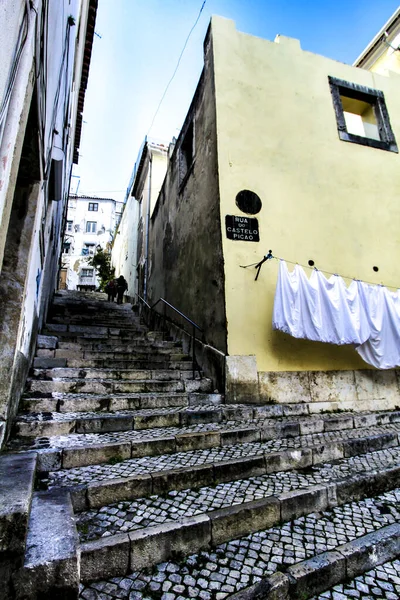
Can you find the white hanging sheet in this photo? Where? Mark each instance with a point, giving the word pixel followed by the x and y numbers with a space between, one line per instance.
pixel 326 310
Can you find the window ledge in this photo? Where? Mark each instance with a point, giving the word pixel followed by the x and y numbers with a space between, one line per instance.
pixel 364 141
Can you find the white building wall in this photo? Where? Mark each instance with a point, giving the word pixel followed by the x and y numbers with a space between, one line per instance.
pixel 84 238
pixel 124 251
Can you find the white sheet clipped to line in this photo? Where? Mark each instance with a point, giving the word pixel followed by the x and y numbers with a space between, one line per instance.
pixel 326 310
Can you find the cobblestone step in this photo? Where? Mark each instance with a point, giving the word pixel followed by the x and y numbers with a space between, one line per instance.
pixel 382 581
pixel 119 374
pixel 66 403
pixel 156 362
pixel 252 419
pixel 351 531
pixel 57 423
pixel 196 468
pixel 155 510
pixel 118 353
pixel 112 386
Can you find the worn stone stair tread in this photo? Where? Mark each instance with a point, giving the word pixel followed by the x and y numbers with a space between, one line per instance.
pixel 250 431
pixel 207 466
pixel 40 424
pixel 385 578
pixel 112 385
pixel 41 362
pixel 68 373
pixel 242 562
pixel 69 402
pixel 125 516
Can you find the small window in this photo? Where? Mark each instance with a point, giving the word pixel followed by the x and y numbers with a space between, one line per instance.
pixel 186 153
pixel 91 226
pixel 66 247
pixel 93 206
pixel 88 249
pixel 361 115
pixel 87 273
pixel 69 225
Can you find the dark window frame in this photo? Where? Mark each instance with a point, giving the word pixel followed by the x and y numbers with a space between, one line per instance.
pixel 93 206
pixel 376 98
pixel 89 229
pixel 87 273
pixel 69 225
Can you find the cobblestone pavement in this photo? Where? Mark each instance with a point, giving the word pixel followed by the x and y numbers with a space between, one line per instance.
pixel 382 583
pixel 145 512
pixel 239 563
pixel 144 465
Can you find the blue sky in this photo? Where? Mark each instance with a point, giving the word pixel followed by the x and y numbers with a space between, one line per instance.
pixel 138 50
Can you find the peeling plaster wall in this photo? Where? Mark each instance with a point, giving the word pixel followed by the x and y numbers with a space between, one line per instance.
pixel 186 265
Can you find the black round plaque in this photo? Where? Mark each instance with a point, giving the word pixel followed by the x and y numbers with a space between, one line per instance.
pixel 248 202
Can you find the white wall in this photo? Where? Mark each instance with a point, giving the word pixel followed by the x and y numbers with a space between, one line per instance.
pixel 124 251
pixel 80 238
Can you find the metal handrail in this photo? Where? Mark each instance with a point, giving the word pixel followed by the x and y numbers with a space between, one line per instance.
pixel 181 314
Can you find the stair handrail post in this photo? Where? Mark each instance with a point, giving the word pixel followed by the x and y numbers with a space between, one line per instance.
pixel 193 350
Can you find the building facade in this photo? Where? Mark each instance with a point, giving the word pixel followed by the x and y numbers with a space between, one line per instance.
pixel 130 248
pixel 301 152
pixel 90 226
pixel 45 50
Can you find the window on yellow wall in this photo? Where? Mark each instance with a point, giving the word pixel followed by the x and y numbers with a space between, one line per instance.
pixel 361 115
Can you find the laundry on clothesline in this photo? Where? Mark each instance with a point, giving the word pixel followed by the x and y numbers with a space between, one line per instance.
pixel 326 310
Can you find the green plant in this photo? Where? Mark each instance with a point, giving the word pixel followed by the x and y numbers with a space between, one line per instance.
pixel 114 460
pixel 101 261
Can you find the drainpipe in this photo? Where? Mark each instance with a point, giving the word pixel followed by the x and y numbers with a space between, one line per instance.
pixel 146 265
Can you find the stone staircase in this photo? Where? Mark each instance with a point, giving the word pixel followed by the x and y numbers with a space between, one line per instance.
pixel 127 478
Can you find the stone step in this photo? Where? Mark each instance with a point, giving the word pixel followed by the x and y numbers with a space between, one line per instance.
pixel 52 559
pixel 346 480
pixel 111 386
pixel 191 468
pixel 107 374
pixel 66 403
pixel 314 550
pixel 382 581
pixel 251 419
pixel 118 353
pixel 156 362
pixel 17 474
pixel 57 423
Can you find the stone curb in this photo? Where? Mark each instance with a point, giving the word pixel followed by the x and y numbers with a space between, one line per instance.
pixel 159 543
pixel 320 573
pixel 81 456
pixel 51 566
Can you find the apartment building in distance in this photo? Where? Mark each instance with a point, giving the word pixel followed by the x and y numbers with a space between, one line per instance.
pixel 90 226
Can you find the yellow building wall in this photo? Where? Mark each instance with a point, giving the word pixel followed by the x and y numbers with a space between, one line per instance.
pixel 324 199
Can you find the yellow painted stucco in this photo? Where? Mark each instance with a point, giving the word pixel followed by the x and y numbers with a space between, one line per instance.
pixel 335 202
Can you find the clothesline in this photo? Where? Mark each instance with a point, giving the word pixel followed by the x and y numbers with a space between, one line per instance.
pixel 269 256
